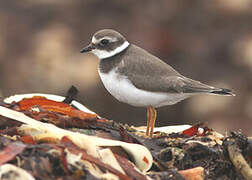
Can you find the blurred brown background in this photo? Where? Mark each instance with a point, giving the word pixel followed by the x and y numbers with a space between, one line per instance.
pixel 208 41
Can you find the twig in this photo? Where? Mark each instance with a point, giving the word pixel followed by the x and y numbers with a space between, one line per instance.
pixel 238 160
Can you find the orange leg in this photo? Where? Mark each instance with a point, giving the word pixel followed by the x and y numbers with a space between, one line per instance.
pixel 153 120
pixel 148 120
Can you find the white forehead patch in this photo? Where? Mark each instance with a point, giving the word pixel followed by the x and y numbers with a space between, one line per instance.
pixel 94 40
pixel 103 54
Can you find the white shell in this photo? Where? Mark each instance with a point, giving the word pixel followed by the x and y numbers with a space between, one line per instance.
pixel 19 97
pixel 14 173
pixel 140 154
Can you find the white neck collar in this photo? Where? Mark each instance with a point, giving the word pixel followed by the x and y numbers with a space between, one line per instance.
pixel 102 54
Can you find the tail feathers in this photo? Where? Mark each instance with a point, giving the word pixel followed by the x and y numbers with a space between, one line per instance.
pixel 223 91
pixel 192 86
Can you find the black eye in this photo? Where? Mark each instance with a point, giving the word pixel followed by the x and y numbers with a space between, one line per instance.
pixel 104 42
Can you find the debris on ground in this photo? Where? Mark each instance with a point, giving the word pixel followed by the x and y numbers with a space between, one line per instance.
pixel 52 137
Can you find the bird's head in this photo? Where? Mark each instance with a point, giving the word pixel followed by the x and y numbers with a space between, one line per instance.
pixel 106 43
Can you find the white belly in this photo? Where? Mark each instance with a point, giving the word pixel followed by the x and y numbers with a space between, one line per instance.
pixel 123 90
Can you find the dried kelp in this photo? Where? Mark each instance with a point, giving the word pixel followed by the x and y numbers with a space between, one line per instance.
pixel 42 137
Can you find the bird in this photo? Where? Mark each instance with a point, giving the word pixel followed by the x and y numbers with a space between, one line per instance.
pixel 136 77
